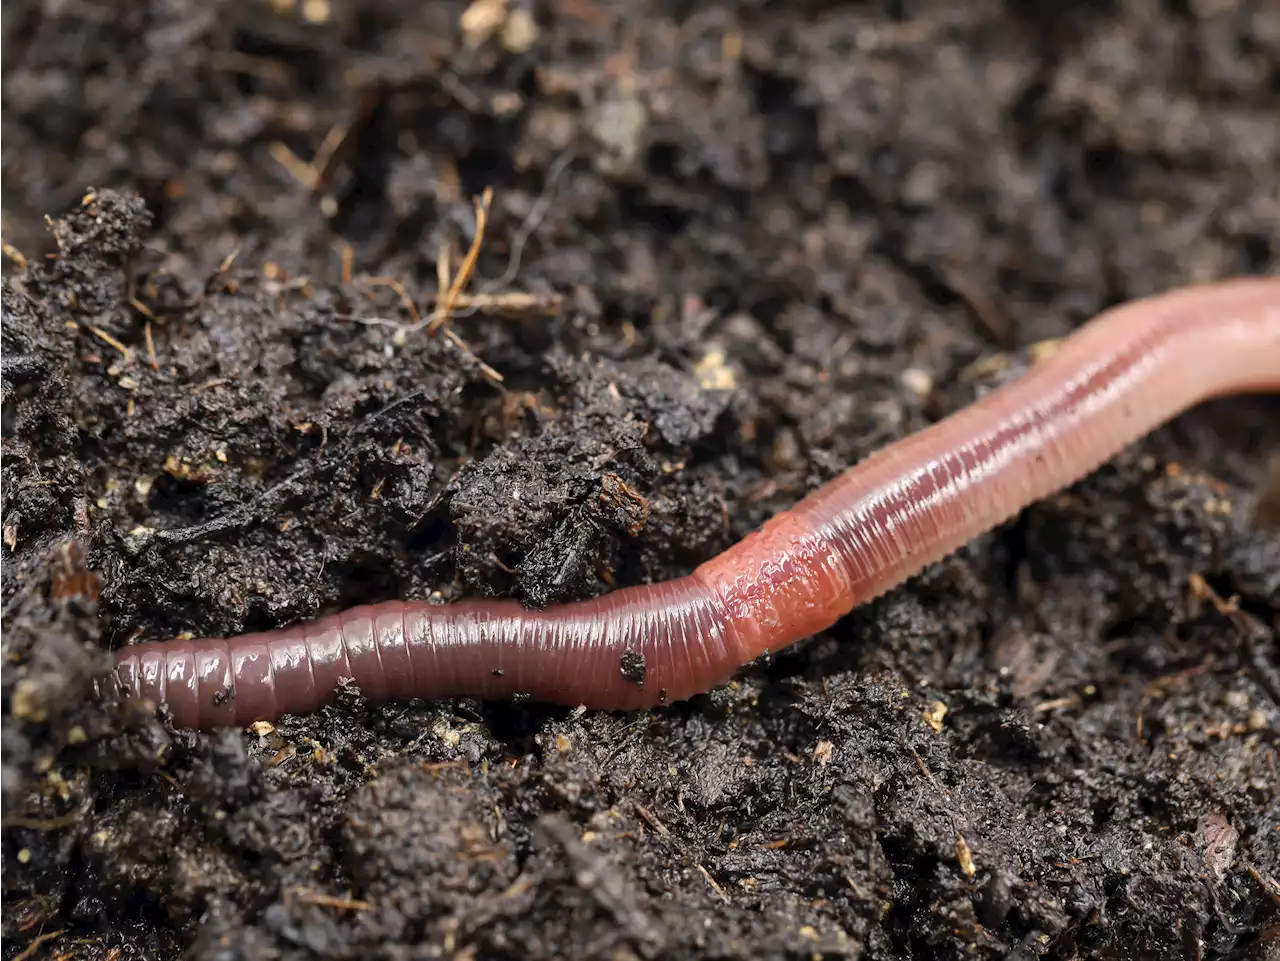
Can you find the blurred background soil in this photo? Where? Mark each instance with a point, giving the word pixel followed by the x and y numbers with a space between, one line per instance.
pixel 731 249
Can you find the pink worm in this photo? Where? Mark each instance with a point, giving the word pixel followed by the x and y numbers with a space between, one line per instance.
pixel 905 507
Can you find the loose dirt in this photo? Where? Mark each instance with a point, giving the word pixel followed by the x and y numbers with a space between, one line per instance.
pixel 732 248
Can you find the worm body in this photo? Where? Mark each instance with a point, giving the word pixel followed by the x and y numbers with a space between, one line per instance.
pixel 881 522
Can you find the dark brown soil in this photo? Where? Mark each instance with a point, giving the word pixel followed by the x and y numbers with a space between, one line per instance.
pixel 775 237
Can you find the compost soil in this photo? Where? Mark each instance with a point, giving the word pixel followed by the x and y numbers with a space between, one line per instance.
pixel 731 249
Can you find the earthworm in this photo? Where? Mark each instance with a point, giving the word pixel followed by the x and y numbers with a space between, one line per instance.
pixel 881 522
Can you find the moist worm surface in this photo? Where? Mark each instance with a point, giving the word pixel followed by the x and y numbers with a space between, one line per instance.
pixel 879 523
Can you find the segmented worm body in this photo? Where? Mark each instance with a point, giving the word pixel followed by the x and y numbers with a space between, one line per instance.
pixel 900 510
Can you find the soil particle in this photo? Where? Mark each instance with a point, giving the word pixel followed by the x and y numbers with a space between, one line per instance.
pixel 732 249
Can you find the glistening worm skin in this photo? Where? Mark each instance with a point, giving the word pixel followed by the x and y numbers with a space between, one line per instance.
pixel 881 522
